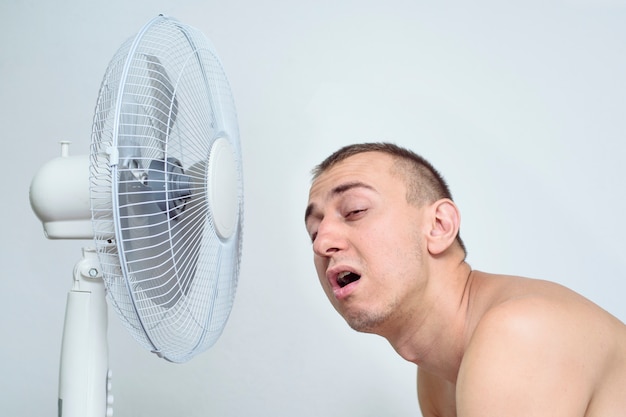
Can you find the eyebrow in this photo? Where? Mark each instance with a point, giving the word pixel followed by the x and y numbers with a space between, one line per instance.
pixel 340 189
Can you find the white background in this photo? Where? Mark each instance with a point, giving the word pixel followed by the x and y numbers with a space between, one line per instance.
pixel 522 108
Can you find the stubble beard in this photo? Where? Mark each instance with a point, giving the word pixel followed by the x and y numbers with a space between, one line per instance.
pixel 368 321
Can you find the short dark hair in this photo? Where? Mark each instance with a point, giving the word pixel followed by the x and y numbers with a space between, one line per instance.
pixel 424 183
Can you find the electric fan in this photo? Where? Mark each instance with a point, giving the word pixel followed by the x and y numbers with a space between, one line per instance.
pixel 161 196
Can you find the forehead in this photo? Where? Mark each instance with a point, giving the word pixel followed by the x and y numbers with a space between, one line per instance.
pixel 371 168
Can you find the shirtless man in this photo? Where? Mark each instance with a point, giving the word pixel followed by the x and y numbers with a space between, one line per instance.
pixel 388 254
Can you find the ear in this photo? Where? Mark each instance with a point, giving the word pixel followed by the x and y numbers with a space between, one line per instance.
pixel 444 226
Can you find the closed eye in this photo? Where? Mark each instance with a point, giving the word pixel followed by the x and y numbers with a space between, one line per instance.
pixel 351 215
pixel 358 211
pixel 354 214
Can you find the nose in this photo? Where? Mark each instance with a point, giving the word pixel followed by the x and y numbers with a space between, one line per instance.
pixel 329 238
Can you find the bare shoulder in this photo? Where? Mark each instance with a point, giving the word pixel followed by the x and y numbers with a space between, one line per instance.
pixel 542 350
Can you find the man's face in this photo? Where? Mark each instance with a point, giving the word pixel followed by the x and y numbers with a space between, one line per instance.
pixel 366 241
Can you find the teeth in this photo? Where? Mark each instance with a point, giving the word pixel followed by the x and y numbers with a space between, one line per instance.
pixel 346 277
pixel 343 274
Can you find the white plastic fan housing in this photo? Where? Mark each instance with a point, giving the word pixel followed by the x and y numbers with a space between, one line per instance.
pixel 59 196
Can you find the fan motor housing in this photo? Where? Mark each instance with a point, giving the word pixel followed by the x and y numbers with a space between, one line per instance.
pixel 59 197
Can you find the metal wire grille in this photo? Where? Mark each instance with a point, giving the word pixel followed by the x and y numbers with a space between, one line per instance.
pixel 163 102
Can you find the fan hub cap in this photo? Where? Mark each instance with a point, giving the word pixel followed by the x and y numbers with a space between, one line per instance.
pixel 222 187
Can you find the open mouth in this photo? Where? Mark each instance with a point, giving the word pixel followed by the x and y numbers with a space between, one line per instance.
pixel 346 278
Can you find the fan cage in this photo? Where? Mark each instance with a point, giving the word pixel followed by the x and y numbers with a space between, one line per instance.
pixel 163 102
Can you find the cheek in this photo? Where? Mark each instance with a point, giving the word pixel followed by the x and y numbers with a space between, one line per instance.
pixel 395 245
pixel 385 237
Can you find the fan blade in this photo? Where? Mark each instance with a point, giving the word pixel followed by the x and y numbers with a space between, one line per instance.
pixel 148 235
pixel 164 102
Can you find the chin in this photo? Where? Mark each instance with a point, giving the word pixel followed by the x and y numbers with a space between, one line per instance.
pixel 366 322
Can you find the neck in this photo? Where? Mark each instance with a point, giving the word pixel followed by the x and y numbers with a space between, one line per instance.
pixel 433 335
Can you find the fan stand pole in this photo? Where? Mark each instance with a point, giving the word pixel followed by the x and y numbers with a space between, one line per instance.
pixel 84 377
